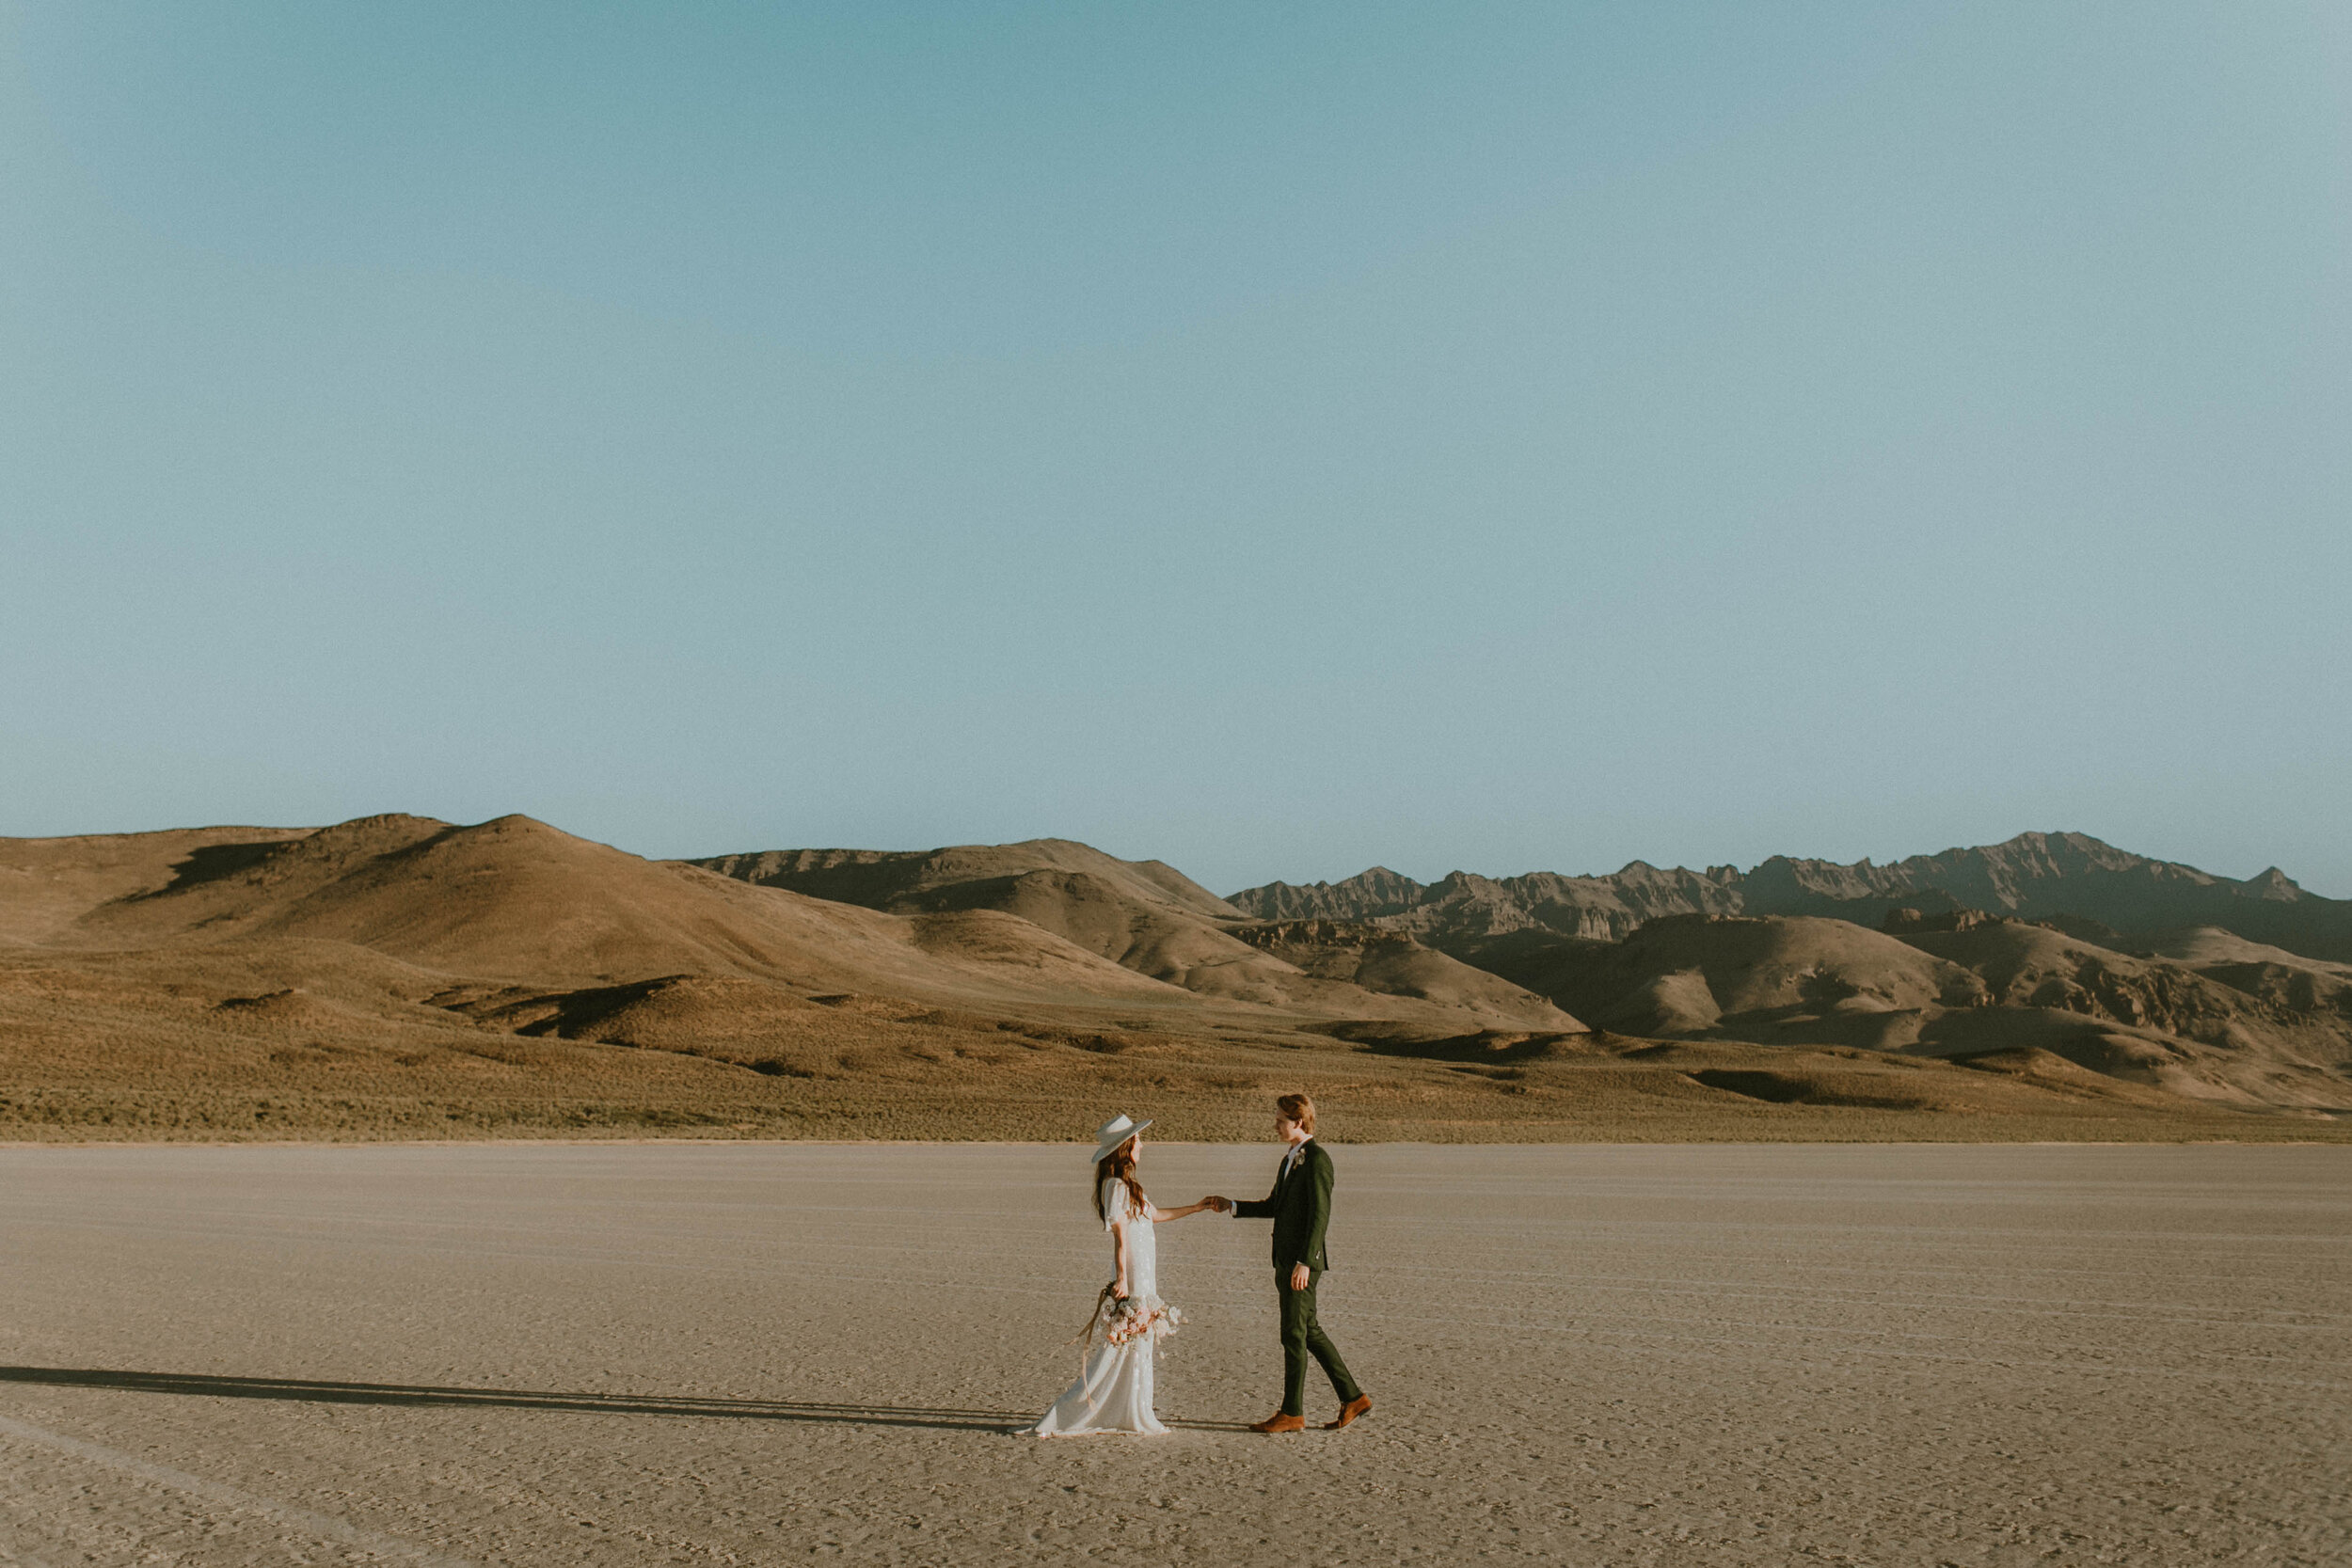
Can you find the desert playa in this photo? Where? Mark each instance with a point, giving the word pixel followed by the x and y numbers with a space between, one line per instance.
pixel 629 1354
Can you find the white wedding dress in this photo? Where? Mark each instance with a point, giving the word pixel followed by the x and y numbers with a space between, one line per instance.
pixel 1114 1393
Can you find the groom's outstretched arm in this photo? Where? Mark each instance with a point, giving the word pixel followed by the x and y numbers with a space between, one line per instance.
pixel 1261 1209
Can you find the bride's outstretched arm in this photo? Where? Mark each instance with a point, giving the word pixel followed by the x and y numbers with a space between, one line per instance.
pixel 1161 1216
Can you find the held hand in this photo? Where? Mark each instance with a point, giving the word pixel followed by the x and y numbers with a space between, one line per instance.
pixel 1218 1205
pixel 1298 1276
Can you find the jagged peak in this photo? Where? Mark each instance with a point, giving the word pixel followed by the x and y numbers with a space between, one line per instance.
pixel 2039 841
pixel 1371 876
pixel 2271 883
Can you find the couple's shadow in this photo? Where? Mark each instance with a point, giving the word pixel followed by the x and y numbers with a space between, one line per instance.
pixel 315 1391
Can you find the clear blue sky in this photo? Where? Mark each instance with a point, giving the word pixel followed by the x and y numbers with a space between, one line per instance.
pixel 1274 438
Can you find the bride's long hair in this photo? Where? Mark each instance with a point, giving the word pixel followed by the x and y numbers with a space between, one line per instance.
pixel 1117 1165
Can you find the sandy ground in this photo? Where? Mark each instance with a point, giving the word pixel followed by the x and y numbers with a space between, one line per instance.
pixel 766 1354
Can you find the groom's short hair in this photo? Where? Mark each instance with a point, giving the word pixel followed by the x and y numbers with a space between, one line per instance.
pixel 1297 1108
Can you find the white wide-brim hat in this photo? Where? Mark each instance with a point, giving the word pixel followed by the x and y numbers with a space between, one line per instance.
pixel 1113 1132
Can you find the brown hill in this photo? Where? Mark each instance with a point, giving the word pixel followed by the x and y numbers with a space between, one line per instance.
pixel 2200 946
pixel 2273 974
pixel 2034 875
pixel 517 900
pixel 1976 985
pixel 1733 976
pixel 401 971
pixel 1389 963
pixel 883 879
pixel 1149 918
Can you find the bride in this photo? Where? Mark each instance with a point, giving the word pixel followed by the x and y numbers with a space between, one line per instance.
pixel 1114 1393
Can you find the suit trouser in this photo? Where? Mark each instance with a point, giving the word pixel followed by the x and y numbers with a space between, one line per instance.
pixel 1302 1336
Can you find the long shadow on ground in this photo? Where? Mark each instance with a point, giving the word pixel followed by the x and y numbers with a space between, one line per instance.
pixel 319 1392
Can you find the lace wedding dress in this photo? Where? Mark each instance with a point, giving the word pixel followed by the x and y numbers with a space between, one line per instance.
pixel 1114 1393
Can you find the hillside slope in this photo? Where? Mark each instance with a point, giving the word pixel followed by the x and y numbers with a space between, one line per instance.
pixel 1953 986
pixel 1149 918
pixel 515 901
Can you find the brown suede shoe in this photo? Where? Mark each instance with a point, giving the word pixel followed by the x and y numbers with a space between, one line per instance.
pixel 1359 1405
pixel 1279 1422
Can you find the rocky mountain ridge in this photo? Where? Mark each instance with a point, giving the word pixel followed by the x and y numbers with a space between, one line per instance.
pixel 2035 876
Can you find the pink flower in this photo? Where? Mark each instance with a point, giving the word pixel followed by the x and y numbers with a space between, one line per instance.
pixel 1125 1322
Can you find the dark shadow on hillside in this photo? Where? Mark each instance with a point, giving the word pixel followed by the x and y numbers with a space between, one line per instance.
pixel 578 1012
pixel 418 1395
pixel 212 863
pixel 1493 1045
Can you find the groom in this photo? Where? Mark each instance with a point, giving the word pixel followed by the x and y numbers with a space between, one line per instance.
pixel 1300 1208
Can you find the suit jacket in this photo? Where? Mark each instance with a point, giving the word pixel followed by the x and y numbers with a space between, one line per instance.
pixel 1300 1208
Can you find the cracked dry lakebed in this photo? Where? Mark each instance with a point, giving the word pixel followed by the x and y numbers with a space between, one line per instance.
pixel 760 1354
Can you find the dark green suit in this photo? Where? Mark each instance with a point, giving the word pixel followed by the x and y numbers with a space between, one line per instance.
pixel 1300 1208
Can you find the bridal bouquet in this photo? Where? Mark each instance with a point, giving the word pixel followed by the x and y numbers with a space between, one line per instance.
pixel 1130 1320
